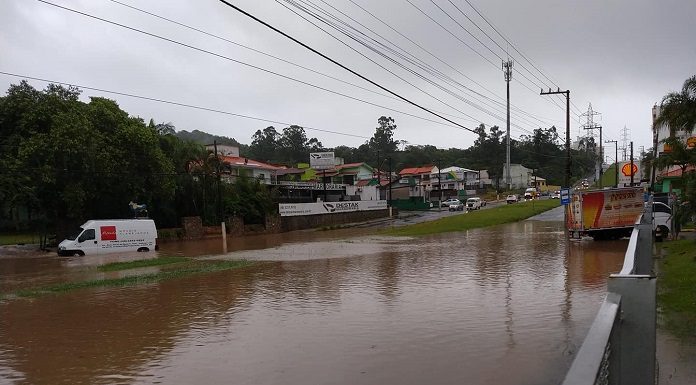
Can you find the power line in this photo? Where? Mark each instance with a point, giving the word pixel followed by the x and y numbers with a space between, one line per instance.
pixel 422 48
pixel 385 56
pixel 454 124
pixel 340 65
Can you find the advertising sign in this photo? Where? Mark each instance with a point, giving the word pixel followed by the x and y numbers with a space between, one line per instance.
pixel 321 160
pixel 311 185
pixel 611 208
pixel 295 209
pixel 625 173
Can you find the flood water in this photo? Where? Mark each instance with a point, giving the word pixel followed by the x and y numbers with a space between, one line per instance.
pixel 504 305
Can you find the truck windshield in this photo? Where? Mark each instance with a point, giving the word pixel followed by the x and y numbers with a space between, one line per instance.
pixel 74 235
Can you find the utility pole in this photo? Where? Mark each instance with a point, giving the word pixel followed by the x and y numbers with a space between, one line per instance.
pixel 390 184
pixel 591 125
pixel 218 204
pixel 507 70
pixel 616 161
pixel 632 164
pixel 567 143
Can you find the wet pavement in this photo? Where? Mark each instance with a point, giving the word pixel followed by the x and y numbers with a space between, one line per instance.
pixel 509 304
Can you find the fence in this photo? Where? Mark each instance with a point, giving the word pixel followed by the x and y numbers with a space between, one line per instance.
pixel 620 347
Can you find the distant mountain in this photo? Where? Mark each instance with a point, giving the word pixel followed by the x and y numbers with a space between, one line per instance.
pixel 205 138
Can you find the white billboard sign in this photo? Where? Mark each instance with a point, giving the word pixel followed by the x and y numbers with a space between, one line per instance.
pixel 295 209
pixel 625 173
pixel 311 185
pixel 321 160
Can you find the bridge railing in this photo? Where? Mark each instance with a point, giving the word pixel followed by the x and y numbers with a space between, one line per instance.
pixel 620 346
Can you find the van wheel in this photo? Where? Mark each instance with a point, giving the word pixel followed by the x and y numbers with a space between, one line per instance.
pixel 661 234
pixel 143 249
pixel 78 253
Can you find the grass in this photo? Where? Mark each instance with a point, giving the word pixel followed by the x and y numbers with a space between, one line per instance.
pixel 18 239
pixel 677 287
pixel 198 268
pixel 477 219
pixel 142 263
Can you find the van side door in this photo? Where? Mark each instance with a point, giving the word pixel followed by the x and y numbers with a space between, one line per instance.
pixel 87 242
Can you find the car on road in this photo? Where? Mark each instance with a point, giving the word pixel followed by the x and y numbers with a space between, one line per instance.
pixel 556 195
pixel 512 198
pixel 456 206
pixel 451 201
pixel 473 204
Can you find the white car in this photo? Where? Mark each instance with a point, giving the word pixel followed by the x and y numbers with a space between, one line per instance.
pixel 512 198
pixel 473 204
pixel 451 201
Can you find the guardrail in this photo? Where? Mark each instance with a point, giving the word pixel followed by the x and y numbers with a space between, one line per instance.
pixel 620 346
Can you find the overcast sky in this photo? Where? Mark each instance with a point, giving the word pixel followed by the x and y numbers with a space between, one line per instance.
pixel 621 56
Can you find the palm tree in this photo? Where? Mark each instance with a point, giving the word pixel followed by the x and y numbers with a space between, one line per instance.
pixel 678 109
pixel 680 155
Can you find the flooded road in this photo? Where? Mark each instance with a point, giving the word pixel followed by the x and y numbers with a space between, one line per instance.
pixel 503 305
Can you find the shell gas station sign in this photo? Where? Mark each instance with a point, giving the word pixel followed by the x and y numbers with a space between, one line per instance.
pixel 626 171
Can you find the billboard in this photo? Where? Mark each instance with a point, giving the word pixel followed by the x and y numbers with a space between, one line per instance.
pixel 321 160
pixel 295 209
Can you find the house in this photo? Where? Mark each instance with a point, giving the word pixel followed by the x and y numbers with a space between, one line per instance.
pixel 234 167
pixel 413 180
pixel 670 180
pixel 519 176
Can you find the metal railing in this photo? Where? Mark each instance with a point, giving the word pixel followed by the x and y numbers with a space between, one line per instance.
pixel 620 346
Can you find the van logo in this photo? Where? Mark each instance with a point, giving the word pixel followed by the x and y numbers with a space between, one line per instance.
pixel 108 233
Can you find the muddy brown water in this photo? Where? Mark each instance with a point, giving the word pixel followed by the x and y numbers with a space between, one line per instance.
pixel 503 305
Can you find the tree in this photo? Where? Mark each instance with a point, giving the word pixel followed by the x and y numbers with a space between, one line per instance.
pixel 678 109
pixel 295 147
pixel 383 139
pixel 264 144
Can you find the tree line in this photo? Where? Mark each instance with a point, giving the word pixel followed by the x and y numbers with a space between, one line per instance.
pixel 63 160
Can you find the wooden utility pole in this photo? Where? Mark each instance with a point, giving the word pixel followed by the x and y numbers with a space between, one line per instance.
pixel 567 143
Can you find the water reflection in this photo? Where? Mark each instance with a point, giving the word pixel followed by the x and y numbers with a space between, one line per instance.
pixel 490 306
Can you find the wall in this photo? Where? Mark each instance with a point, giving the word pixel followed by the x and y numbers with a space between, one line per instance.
pixel 312 221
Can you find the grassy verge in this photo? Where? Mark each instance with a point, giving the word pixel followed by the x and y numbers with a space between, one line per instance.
pixel 141 263
pixel 199 268
pixel 677 287
pixel 17 239
pixel 476 219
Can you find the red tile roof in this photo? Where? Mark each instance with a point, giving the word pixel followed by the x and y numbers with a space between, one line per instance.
pixel 416 170
pixel 676 171
pixel 241 161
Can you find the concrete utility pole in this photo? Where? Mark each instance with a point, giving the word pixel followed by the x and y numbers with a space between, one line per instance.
pixel 567 143
pixel 591 125
pixel 507 70
pixel 632 164
pixel 616 160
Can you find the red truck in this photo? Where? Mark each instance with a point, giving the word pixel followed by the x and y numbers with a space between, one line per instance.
pixel 604 214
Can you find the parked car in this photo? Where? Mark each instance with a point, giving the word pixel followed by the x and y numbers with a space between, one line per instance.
pixel 449 202
pixel 512 198
pixel 473 204
pixel 456 206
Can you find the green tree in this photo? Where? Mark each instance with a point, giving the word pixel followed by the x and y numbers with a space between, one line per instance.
pixel 678 109
pixel 295 147
pixel 265 144
pixel 383 138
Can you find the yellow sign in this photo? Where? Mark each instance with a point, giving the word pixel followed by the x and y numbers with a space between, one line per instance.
pixel 626 169
pixel 691 142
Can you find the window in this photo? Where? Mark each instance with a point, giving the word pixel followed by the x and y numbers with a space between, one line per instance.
pixel 88 235
pixel 661 208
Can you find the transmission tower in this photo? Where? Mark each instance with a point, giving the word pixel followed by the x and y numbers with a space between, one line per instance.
pixel 507 71
pixel 625 139
pixel 590 125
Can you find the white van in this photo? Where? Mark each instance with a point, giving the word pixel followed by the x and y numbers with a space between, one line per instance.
pixel 111 235
pixel 473 204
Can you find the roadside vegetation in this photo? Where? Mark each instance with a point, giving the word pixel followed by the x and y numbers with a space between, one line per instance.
pixel 677 288
pixel 116 266
pixel 477 219
pixel 185 269
pixel 18 239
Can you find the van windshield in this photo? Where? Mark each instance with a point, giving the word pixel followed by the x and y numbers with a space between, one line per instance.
pixel 74 235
